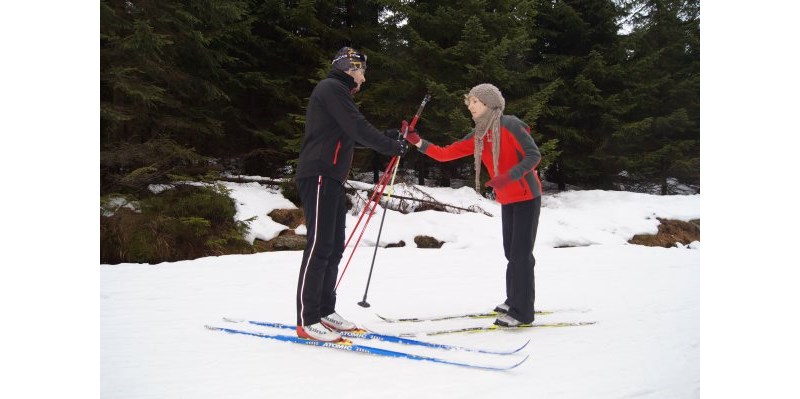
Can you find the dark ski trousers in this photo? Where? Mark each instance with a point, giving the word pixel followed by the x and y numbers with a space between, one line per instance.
pixel 324 207
pixel 520 223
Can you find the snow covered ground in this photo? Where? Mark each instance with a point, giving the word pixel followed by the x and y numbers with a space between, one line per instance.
pixel 645 301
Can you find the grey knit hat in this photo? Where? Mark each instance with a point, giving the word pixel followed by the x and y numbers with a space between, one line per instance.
pixel 490 95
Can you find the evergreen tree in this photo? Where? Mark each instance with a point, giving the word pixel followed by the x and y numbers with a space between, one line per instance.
pixel 163 69
pixel 577 62
pixel 661 134
pixel 228 78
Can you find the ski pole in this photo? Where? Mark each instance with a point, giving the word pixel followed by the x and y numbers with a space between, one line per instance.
pixel 384 180
pixel 378 187
pixel 364 303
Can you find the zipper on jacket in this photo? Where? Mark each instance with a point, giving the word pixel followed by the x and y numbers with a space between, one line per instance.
pixel 336 154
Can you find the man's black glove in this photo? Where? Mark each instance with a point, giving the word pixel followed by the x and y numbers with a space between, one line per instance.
pixel 393 134
pixel 403 147
pixel 396 135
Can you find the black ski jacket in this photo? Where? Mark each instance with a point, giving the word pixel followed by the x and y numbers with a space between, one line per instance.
pixel 333 126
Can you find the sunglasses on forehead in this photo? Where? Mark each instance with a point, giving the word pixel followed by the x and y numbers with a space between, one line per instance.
pixel 358 60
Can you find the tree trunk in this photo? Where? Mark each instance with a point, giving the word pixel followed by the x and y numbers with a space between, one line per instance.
pixel 559 176
pixel 376 166
pixel 446 174
pixel 421 170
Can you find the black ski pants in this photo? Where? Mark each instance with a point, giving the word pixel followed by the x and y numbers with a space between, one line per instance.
pixel 324 207
pixel 520 223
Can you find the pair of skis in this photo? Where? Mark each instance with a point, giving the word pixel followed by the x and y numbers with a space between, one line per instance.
pixel 348 345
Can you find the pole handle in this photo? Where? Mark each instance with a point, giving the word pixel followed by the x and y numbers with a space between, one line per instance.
pixel 419 111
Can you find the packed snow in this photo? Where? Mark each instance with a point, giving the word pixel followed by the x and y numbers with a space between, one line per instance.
pixel 645 302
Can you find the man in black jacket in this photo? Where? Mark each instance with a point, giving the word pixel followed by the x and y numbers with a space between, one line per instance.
pixel 333 126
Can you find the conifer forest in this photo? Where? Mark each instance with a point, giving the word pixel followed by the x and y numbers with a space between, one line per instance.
pixel 193 89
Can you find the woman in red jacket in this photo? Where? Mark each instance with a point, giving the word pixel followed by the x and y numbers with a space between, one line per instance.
pixel 505 145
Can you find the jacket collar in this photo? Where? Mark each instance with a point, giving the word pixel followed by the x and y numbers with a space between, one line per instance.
pixel 343 77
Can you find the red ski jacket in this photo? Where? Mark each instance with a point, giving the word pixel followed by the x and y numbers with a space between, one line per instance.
pixel 519 157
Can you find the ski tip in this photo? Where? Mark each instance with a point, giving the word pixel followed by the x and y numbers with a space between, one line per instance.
pixel 212 328
pixel 513 366
pixel 523 346
pixel 233 320
pixel 386 319
pixel 570 324
pixel 520 362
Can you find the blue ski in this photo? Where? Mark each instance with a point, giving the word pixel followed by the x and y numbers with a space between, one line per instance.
pixel 349 346
pixel 364 334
